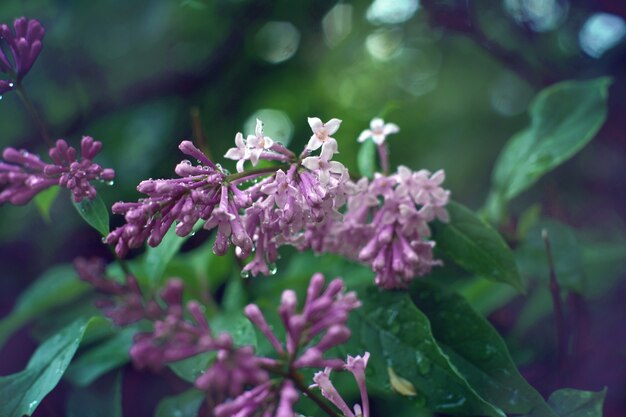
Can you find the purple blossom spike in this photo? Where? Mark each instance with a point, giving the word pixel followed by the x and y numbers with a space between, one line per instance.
pixel 24 43
pixel 23 175
pixel 183 201
pixel 324 313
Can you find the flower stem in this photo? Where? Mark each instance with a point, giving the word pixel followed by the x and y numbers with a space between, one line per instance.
pixel 255 171
pixel 559 317
pixel 297 380
pixel 383 155
pixel 30 107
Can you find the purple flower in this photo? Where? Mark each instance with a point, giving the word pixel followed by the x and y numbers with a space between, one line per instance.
pixel 24 174
pixel 24 43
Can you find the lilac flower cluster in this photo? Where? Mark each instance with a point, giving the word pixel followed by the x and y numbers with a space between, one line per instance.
pixel 300 202
pixel 24 44
pixel 386 225
pixel 238 382
pixel 23 175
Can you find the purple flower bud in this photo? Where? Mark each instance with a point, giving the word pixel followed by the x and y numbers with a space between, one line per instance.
pixel 24 43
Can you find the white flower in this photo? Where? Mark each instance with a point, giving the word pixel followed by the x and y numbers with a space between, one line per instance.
pixel 257 143
pixel 322 132
pixel 378 131
pixel 240 153
pixel 323 165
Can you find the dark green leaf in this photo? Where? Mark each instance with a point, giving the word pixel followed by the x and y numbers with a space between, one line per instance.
pixel 157 258
pixel 95 214
pixel 575 403
pixel 476 351
pixel 238 326
pixel 57 286
pixel 366 158
pixel 99 359
pixel 21 393
pixel 186 404
pixel 101 399
pixel 474 245
pixel 44 201
pixel 564 118
pixel 398 336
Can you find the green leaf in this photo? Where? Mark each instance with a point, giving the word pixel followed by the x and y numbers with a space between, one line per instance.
pixel 21 393
pixel 575 403
pixel 186 404
pixel 191 368
pixel 567 254
pixel 474 245
pixel 57 286
pixel 157 258
pixel 366 158
pixel 44 199
pixel 564 118
pixel 101 399
pixel 100 359
pixel 95 213
pixel 476 350
pixel 398 336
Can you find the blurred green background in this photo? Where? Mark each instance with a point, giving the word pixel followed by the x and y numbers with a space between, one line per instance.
pixel 456 76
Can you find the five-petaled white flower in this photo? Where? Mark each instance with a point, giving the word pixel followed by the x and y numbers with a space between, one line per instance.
pixel 322 132
pixel 257 143
pixel 378 131
pixel 323 164
pixel 240 153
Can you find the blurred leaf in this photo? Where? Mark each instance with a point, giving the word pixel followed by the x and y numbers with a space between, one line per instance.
pixel 185 404
pixel 485 296
pixel 57 286
pixel 100 359
pixel 477 351
pixel 44 200
pixel 398 335
pixel 102 398
pixel 568 262
pixel 235 295
pixel 22 392
pixel 564 118
pixel 527 220
pixel 95 213
pixel 576 403
pixel 366 158
pixel 476 246
pixel 238 326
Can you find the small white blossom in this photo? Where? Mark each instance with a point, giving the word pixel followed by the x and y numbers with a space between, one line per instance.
pixel 378 131
pixel 257 143
pixel 322 132
pixel 240 153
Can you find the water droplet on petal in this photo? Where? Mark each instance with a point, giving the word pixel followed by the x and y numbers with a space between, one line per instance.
pixel 110 183
pixel 245 274
pixel 272 268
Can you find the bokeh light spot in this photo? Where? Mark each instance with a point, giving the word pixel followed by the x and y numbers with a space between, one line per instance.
pixel 384 44
pixel 276 124
pixel 601 32
pixel 276 42
pixel 391 11
pixel 538 15
pixel 337 24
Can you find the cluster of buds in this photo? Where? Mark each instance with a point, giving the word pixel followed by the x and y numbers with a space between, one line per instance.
pixel 239 382
pixel 24 175
pixel 24 45
pixel 307 201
